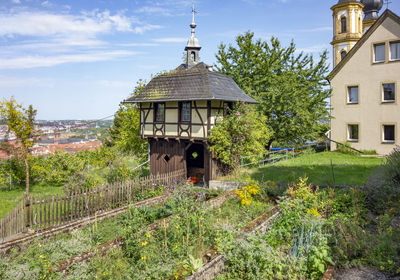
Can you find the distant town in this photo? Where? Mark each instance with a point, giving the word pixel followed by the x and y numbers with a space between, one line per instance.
pixel 63 135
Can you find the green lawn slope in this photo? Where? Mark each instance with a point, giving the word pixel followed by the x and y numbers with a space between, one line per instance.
pixel 344 170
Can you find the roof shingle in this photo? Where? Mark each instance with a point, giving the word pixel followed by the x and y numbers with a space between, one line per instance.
pixel 195 83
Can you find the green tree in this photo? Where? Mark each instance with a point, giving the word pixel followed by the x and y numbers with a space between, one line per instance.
pixel 125 131
pixel 242 131
pixel 291 88
pixel 20 122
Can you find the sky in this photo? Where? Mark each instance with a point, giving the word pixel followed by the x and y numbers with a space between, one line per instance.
pixel 79 59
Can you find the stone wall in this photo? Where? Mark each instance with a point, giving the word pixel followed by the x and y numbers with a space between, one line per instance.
pixel 224 185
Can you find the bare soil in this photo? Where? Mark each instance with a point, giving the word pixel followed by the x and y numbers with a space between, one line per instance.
pixel 363 274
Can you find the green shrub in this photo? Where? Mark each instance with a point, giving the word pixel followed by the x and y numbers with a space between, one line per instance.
pixel 241 132
pixel 345 148
pixel 252 258
pixel 383 186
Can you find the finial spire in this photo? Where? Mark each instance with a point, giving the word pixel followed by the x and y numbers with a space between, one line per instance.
pixel 387 2
pixel 192 47
pixel 193 12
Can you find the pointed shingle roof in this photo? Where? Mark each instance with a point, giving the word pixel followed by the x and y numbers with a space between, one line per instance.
pixel 186 84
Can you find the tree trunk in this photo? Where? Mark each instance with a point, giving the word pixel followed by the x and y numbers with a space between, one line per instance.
pixel 270 143
pixel 26 175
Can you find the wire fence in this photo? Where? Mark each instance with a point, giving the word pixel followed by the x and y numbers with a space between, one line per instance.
pixel 46 211
pixel 275 156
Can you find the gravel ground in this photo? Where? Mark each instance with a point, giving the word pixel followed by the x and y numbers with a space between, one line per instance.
pixel 362 274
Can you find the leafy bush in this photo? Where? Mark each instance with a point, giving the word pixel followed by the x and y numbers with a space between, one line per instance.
pixel 273 190
pixel 241 132
pixel 383 186
pixel 252 258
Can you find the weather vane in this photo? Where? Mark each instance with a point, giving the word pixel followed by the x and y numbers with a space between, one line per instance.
pixel 193 9
pixel 387 2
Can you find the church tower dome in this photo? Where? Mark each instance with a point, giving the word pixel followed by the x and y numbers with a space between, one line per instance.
pixel 347 27
pixel 192 47
pixel 371 12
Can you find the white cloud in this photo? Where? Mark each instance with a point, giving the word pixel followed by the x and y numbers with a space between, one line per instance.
pixel 45 39
pixel 16 1
pixel 48 24
pixel 154 10
pixel 166 8
pixel 6 81
pixel 43 61
pixel 46 4
pixel 147 27
pixel 171 40
pixel 138 45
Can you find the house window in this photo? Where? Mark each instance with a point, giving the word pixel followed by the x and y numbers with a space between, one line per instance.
pixel 379 53
pixel 343 24
pixel 395 51
pixel 388 133
pixel 352 93
pixel 342 55
pixel 159 112
pixel 352 132
pixel 185 114
pixel 388 92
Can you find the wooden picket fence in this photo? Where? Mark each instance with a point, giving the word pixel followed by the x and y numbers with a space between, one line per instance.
pixel 45 211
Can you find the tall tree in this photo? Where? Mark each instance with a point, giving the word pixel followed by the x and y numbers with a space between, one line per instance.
pixel 21 123
pixel 291 87
pixel 125 131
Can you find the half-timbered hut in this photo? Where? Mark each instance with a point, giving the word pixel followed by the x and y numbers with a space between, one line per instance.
pixel 177 111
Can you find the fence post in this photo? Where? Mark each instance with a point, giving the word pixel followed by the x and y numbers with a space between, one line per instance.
pixel 293 152
pixel 287 154
pixel 27 211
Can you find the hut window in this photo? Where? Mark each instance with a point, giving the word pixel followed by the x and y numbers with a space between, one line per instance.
pixel 185 112
pixel 343 23
pixel 167 158
pixel 227 108
pixel 159 112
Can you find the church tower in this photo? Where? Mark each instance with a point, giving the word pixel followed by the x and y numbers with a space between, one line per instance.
pixel 371 12
pixel 347 27
pixel 193 47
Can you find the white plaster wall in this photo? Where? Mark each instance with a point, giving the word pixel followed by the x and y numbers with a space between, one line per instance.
pixel 370 113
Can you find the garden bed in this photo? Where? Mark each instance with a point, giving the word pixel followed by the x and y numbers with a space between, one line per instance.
pixel 175 249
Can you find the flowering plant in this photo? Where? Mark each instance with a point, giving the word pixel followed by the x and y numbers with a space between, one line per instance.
pixel 247 192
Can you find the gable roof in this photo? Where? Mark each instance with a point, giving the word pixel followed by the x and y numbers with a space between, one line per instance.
pixel 186 84
pixel 388 13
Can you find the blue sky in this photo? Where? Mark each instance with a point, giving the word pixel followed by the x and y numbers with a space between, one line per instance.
pixel 78 59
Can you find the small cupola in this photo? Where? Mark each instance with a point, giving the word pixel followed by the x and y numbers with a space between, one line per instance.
pixel 371 9
pixel 193 47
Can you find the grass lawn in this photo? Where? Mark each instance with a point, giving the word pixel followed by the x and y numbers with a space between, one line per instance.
pixel 347 169
pixel 9 199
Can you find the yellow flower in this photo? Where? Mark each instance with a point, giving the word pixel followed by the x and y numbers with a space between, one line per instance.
pixel 143 258
pixel 314 211
pixel 144 243
pixel 148 235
